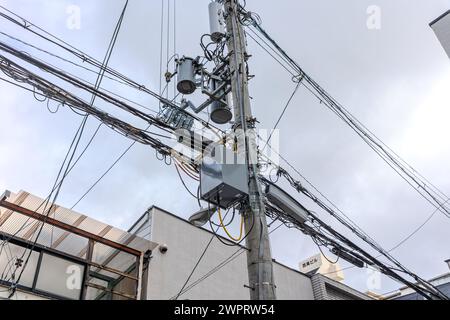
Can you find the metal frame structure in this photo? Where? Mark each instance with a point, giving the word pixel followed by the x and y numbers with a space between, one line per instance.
pixel 91 269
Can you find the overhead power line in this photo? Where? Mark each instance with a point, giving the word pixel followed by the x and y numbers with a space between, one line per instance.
pixel 298 74
pixel 345 216
pixel 77 138
pixel 418 182
pixel 325 235
pixel 408 237
pixel 220 266
pixel 363 236
pixel 321 233
pixel 281 115
pixel 64 97
pixel 85 58
pixel 110 168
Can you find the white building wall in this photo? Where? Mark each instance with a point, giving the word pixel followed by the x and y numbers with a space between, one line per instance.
pixel 168 272
pixel 442 29
pixel 292 285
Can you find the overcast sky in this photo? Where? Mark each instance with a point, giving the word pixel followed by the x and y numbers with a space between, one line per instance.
pixel 395 80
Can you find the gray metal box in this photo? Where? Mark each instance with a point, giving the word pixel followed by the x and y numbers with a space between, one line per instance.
pixel 441 27
pixel 223 183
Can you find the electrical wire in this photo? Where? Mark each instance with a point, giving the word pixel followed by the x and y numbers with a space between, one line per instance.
pixel 75 142
pixel 68 159
pixel 40 32
pixel 161 52
pixel 121 156
pixel 199 260
pixel 374 142
pixel 434 292
pixel 420 184
pixel 429 291
pixel 58 94
pixel 408 237
pixel 346 221
pixel 182 181
pixel 221 265
pixel 282 115
pixel 51 54
pixel 226 230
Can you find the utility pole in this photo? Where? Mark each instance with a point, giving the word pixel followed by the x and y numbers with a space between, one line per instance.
pixel 259 257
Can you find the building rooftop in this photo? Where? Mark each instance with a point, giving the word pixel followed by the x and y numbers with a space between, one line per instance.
pixel 53 233
pixel 439 18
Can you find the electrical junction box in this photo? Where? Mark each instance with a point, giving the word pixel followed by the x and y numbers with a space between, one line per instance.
pixel 223 177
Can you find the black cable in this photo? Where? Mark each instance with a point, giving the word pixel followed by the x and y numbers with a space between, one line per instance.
pixel 184 184
pixel 374 261
pixel 77 138
pixel 321 91
pixel 368 136
pixel 383 252
pixel 345 115
pixel 18 70
pixel 29 26
pixel 199 260
pixel 282 114
pixel 58 94
pixel 196 264
pixel 70 154
pixel 83 67
pixel 409 236
pixel 323 254
pixel 229 222
pixel 70 169
pixel 225 262
pixel 121 156
pixel 103 175
pixel 63 59
pixel 218 238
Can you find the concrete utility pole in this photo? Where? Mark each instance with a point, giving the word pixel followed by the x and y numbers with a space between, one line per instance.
pixel 259 257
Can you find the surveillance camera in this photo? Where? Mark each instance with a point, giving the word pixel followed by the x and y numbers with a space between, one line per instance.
pixel 163 248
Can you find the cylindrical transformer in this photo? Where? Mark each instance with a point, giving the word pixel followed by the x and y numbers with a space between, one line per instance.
pixel 220 113
pixel 186 76
pixel 216 21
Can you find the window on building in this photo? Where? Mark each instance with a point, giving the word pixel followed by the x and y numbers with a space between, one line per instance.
pixel 12 261
pixel 60 277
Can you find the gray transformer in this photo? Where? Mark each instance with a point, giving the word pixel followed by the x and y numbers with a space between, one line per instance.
pixel 223 183
pixel 219 110
pixel 186 75
pixel 220 113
